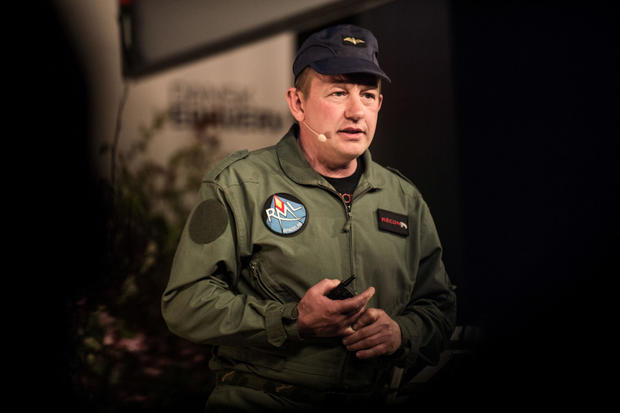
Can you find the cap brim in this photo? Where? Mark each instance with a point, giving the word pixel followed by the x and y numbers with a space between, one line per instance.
pixel 344 65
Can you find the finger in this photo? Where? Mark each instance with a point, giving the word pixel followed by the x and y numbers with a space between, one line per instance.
pixel 349 321
pixel 359 320
pixel 371 352
pixel 368 293
pixel 365 319
pixel 366 338
pixel 325 285
pixel 363 342
pixel 352 318
pixel 362 338
pixel 369 316
pixel 357 303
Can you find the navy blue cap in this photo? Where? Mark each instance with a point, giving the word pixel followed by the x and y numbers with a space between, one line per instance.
pixel 340 49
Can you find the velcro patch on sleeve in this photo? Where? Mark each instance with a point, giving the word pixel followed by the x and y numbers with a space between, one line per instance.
pixel 208 222
pixel 393 222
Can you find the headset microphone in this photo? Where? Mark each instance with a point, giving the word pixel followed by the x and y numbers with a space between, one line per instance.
pixel 321 137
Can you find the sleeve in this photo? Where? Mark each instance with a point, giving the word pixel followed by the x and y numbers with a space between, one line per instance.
pixel 200 303
pixel 429 318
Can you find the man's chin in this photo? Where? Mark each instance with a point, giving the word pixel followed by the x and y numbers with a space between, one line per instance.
pixel 353 150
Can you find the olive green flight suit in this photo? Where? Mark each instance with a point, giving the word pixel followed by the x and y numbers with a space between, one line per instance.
pixel 268 227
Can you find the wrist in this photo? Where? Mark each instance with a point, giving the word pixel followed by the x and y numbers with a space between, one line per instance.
pixel 302 328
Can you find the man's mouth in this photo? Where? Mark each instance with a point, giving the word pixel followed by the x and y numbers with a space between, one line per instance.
pixel 351 131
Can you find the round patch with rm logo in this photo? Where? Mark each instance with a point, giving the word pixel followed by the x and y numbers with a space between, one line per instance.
pixel 284 214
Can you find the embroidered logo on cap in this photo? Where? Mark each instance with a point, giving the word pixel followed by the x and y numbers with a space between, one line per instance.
pixel 353 41
pixel 284 214
pixel 393 222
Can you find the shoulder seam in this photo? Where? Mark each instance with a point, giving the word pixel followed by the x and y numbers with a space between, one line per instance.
pixel 213 173
pixel 405 183
pixel 400 174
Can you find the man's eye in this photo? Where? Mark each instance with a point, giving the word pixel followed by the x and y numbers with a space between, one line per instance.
pixel 338 93
pixel 369 96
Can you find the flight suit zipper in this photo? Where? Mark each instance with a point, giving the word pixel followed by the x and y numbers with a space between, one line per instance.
pixel 347 229
pixel 348 220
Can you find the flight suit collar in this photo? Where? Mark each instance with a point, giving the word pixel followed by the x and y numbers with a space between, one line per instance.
pixel 297 168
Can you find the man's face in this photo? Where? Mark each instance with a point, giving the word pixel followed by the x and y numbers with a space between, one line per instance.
pixel 345 110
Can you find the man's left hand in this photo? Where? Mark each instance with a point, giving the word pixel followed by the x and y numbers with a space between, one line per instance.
pixel 373 334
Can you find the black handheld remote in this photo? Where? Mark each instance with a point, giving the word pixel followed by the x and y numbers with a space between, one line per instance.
pixel 343 290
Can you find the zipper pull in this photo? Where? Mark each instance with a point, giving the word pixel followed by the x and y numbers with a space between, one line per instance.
pixel 253 269
pixel 347 224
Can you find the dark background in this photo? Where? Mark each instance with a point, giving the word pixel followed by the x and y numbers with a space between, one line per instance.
pixel 532 192
pixel 521 178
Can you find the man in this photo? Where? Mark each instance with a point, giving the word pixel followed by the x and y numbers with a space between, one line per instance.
pixel 278 229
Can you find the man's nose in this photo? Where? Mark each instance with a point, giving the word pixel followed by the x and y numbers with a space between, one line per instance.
pixel 354 109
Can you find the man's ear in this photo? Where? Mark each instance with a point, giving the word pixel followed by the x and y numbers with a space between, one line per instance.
pixel 294 98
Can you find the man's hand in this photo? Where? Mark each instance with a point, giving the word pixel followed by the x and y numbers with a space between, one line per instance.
pixel 373 334
pixel 321 317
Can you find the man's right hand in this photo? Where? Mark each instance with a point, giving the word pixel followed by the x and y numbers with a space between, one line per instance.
pixel 321 317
